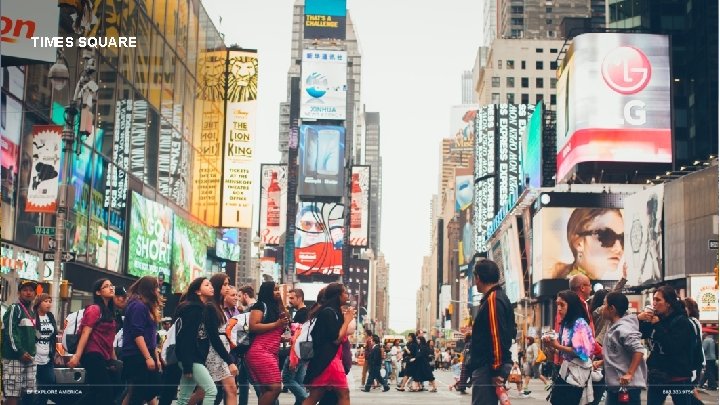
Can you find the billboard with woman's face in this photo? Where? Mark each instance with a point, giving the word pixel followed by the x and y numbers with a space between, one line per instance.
pixel 570 241
pixel 319 234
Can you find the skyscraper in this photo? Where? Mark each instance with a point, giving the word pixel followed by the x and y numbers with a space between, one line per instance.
pixel 468 96
pixel 536 19
pixel 374 160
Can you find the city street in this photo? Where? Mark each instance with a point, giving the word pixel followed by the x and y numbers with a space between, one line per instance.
pixel 444 395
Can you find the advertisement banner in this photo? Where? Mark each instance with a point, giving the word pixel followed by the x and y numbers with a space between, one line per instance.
pixel 463 206
pixel 325 19
pixel 321 160
pixel 22 20
pixel 512 121
pixel 151 238
pixel 569 241
pixel 614 101
pixel 484 173
pixel 273 203
pixel 240 133
pixel 189 252
pixel 46 151
pixel 532 162
pixel 505 251
pixel 109 253
pixel 357 282
pixel 319 238
pixel 462 126
pixel 360 206
pixel 324 85
pixel 703 291
pixel 644 236
pixel 227 247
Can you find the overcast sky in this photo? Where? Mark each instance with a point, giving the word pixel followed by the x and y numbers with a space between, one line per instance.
pixel 413 56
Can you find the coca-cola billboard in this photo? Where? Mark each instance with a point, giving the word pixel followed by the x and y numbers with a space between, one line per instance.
pixel 359 206
pixel 273 203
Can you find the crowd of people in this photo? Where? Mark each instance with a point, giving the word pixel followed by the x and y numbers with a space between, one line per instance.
pixel 220 342
pixel 597 349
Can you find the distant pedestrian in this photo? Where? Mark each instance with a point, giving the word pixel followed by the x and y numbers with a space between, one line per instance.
pixel 710 376
pixel 532 367
pixel 424 371
pixel 374 362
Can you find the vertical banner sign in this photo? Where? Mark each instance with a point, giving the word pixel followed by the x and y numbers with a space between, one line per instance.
pixel 240 132
pixel 484 208
pixel 207 165
pixel 463 206
pixel 273 203
pixel 359 206
pixel 43 187
pixel 324 86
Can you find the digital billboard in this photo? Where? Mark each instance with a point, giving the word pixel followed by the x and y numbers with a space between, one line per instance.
pixel 151 238
pixel 44 175
pixel 189 252
pixel 505 251
pixel 321 160
pixel 462 126
pixel 240 133
pixel 273 203
pixel 532 149
pixel 324 85
pixel 357 281
pixel 319 234
pixel 325 19
pixel 644 236
pixel 227 247
pixel 614 101
pixel 359 206
pixel 569 241
pixel 484 173
pixel 463 206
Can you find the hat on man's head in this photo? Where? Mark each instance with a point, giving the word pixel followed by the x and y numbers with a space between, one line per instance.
pixel 25 283
pixel 120 291
pixel 166 319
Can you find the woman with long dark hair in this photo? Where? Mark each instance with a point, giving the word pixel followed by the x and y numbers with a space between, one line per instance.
pixel 95 346
pixel 409 359
pixel 193 341
pixel 671 336
pixel 268 320
pixel 326 371
pixel 424 370
pixel 139 350
pixel 219 360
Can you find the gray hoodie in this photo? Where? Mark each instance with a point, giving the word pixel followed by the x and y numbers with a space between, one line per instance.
pixel 622 340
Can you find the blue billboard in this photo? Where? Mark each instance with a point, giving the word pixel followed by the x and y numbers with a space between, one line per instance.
pixel 532 149
pixel 325 19
pixel 321 161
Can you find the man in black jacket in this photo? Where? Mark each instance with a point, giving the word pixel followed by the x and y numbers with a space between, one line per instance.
pixel 493 331
pixel 374 361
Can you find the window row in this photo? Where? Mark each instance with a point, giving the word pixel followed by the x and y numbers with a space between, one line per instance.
pixel 524 98
pixel 524 82
pixel 539 65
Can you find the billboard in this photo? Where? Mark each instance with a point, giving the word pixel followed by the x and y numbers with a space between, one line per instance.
pixel 628 76
pixel 319 238
pixel 189 252
pixel 325 19
pixel 22 20
pixel 240 133
pixel 46 152
pixel 484 173
pixel 532 165
pixel 151 238
pixel 324 85
pixel 569 241
pixel 273 203
pixel 462 126
pixel 505 251
pixel 644 236
pixel 227 247
pixel 360 206
pixel 321 160
pixel 357 281
pixel 463 206
pixel 704 291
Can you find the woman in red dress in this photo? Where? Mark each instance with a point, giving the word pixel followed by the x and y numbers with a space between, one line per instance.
pixel 326 371
pixel 268 320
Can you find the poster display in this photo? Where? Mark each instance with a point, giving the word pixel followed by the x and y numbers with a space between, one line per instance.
pixel 325 19
pixel 319 235
pixel 464 188
pixel 324 85
pixel 321 161
pixel 151 238
pixel 46 151
pixel 273 203
pixel 644 236
pixel 462 126
pixel 190 241
pixel 505 251
pixel 704 291
pixel 359 206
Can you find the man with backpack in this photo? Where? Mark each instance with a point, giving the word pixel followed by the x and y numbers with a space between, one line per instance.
pixel 18 345
pixel 374 362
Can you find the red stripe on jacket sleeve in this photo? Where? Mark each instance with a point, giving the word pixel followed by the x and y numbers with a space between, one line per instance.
pixel 494 332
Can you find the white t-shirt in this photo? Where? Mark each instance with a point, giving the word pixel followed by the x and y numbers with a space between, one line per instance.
pixel 42 354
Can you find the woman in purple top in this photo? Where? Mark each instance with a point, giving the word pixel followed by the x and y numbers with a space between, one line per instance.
pixel 139 350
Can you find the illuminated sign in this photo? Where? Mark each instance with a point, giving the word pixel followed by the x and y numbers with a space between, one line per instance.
pixel 44 180
pixel 325 19
pixel 324 84
pixel 321 161
pixel 359 206
pixel 150 239
pixel 273 203
pixel 22 20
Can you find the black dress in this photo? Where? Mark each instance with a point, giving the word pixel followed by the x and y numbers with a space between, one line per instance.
pixel 423 371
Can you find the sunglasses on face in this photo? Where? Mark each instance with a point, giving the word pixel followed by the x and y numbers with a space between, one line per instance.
pixel 312 226
pixel 606 236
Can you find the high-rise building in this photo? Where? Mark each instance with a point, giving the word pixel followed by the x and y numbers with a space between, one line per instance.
pixel 537 19
pixel 245 273
pixel 489 13
pixel 382 292
pixel 373 158
pixel 468 94
pixel 693 27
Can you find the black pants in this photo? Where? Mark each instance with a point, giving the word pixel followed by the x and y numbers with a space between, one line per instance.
pixel 170 382
pixel 710 375
pixel 374 374
pixel 243 383
pixel 142 383
pixel 98 379
pixel 681 392
pixel 45 381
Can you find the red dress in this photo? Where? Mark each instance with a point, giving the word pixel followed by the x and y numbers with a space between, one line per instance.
pixel 334 374
pixel 262 357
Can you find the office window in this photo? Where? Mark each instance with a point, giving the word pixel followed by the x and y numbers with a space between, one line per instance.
pixel 539 83
pixel 522 65
pixel 553 65
pixel 511 98
pixel 548 9
pixel 538 50
pixel 516 33
pixel 495 81
pixel 499 65
pixel 548 21
pixel 516 21
pixel 495 98
pixel 551 34
pixel 553 50
pixel 553 99
pixel 553 83
pixel 510 64
pixel 538 65
pixel 517 9
pixel 524 82
pixel 524 98
pixel 510 82
pixel 538 98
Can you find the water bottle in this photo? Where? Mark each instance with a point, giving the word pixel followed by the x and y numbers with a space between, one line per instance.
pixel 502 395
pixel 623 395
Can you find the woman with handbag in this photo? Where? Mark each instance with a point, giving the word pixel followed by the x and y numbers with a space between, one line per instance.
pixel 575 344
pixel 409 358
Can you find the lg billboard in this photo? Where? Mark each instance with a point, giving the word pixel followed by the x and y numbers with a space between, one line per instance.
pixel 614 101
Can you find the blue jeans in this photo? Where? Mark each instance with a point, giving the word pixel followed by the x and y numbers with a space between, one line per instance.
pixel 200 377
pixel 292 380
pixel 388 369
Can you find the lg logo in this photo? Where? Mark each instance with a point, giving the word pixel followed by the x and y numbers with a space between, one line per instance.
pixel 626 70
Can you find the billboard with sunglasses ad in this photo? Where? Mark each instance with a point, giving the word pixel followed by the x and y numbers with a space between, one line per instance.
pixel 570 241
pixel 319 234
pixel 321 160
pixel 644 236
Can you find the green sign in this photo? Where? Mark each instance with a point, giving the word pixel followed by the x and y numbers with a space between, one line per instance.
pixel 45 230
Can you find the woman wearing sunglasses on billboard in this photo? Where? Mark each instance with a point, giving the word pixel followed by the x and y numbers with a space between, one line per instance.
pixel 596 239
